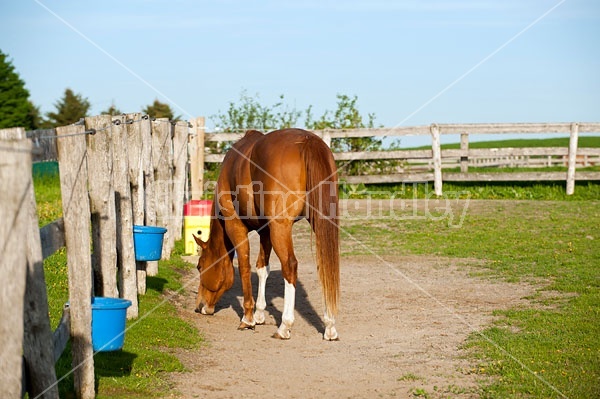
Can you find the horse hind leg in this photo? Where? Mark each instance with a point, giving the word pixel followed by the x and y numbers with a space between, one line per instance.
pixel 281 236
pixel 287 319
pixel 261 301
pixel 330 333
pixel 262 270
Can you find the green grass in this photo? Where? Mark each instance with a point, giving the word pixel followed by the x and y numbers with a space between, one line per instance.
pixel 583 141
pixel 543 191
pixel 553 343
pixel 47 191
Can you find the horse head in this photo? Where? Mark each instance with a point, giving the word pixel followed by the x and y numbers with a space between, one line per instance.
pixel 216 275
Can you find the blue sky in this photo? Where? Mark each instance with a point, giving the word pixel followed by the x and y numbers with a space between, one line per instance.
pixel 409 62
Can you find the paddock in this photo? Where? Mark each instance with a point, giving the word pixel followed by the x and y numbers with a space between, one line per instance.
pixel 402 323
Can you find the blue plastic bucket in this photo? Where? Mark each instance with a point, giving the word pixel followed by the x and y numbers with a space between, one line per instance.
pixel 108 323
pixel 147 242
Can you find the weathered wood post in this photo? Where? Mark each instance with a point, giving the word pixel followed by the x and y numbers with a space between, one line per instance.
pixel 136 180
pixel 197 157
pixel 38 342
pixel 162 160
pixel 15 179
pixel 149 188
pixel 180 157
pixel 327 137
pixel 437 159
pixel 464 159
pixel 76 216
pixel 124 217
pixel 102 205
pixel 572 163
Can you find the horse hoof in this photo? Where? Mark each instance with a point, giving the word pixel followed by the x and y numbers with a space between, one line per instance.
pixel 330 334
pixel 277 336
pixel 259 318
pixel 243 326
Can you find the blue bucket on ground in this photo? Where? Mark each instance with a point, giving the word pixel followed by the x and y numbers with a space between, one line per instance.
pixel 108 323
pixel 147 242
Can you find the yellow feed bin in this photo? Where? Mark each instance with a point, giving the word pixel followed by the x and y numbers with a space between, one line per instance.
pixel 196 220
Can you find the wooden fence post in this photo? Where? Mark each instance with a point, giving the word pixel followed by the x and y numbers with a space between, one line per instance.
pixel 180 157
pixel 572 163
pixel 197 157
pixel 11 134
pixel 437 159
pixel 102 206
pixel 162 160
pixel 124 216
pixel 136 179
pixel 327 137
pixel 76 216
pixel 38 343
pixel 464 159
pixel 150 189
pixel 15 179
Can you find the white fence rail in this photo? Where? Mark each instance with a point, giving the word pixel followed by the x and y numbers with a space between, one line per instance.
pixel 436 164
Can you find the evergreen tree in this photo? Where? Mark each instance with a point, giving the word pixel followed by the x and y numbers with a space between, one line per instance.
pixel 70 109
pixel 112 110
pixel 15 108
pixel 35 115
pixel 160 110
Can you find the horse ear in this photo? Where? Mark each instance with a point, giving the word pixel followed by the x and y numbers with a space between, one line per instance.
pixel 201 243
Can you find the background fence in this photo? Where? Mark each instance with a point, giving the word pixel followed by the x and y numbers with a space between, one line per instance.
pixel 438 165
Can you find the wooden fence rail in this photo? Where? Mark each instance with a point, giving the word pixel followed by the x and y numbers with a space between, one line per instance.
pixel 434 164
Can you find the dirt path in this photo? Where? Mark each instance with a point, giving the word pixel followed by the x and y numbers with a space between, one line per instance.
pixel 402 323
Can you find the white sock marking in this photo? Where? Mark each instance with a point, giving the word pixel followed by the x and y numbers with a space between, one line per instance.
pixel 330 331
pixel 287 319
pixel 261 302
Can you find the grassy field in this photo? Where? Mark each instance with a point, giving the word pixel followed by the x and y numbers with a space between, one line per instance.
pixel 583 141
pixel 549 349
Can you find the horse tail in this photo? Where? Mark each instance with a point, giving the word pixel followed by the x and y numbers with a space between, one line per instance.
pixel 322 205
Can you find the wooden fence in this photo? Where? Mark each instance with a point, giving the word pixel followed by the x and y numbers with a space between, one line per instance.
pixel 433 164
pixel 114 172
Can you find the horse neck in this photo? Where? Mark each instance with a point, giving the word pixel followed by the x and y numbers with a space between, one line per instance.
pixel 217 240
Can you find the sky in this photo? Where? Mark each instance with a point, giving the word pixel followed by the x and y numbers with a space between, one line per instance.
pixel 408 62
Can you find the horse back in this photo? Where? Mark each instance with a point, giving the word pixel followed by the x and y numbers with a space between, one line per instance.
pixel 265 175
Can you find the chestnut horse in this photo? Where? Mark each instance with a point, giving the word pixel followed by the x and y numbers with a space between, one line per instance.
pixel 267 183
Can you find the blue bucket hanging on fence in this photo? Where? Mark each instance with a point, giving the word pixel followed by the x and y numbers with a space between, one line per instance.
pixel 108 323
pixel 148 242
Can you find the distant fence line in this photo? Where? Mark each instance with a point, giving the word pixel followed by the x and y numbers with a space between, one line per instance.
pixel 425 165
pixel 435 165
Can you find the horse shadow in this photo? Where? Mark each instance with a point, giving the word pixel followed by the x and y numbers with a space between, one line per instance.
pixel 275 289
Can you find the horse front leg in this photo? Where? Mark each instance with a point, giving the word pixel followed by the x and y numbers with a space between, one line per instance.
pixel 239 237
pixel 262 270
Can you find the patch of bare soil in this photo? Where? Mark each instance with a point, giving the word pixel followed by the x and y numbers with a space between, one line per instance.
pixel 402 323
